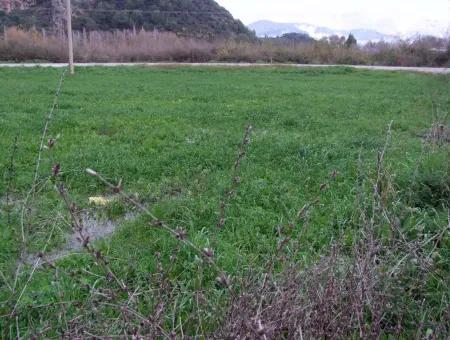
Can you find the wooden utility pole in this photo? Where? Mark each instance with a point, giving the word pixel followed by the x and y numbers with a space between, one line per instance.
pixel 70 36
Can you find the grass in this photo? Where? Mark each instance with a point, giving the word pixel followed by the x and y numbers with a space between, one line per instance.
pixel 172 135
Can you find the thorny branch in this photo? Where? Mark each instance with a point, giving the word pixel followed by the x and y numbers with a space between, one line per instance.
pixel 235 179
pixel 41 148
pixel 179 234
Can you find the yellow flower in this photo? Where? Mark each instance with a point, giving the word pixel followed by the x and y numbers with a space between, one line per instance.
pixel 99 200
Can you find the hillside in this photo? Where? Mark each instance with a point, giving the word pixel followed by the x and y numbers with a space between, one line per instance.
pixel 200 18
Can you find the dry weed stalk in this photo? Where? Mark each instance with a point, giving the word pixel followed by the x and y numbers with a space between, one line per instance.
pixel 39 157
pixel 350 292
pixel 10 175
pixel 231 192
pixel 30 193
pixel 77 225
pixel 178 233
pixel 439 133
pixel 133 323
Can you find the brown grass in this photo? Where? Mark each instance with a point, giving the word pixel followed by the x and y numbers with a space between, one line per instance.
pixel 143 46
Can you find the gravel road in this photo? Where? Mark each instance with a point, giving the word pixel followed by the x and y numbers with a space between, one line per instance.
pixel 383 68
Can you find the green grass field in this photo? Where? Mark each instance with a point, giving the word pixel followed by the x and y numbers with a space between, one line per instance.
pixel 172 135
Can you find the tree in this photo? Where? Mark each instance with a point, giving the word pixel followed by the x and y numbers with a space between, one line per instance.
pixel 297 38
pixel 336 40
pixel 351 41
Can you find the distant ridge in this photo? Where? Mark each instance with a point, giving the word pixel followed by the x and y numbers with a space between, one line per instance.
pixel 266 28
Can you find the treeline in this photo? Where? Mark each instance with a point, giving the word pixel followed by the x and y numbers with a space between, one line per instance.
pixel 153 46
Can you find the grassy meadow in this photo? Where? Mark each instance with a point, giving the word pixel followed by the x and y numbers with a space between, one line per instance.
pixel 283 200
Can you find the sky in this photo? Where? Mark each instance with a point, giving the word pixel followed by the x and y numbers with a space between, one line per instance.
pixel 386 16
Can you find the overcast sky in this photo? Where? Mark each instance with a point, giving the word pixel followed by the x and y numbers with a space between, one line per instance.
pixel 386 16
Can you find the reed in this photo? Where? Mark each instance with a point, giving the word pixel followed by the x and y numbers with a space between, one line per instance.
pixel 142 46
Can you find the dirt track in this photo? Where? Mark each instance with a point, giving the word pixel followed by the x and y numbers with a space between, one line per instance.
pixel 383 68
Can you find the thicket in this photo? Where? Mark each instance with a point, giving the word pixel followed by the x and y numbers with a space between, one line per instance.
pixel 18 45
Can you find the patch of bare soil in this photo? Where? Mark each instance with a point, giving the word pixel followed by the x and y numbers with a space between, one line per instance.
pixel 94 228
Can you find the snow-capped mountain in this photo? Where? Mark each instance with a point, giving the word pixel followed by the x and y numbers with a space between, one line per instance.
pixel 265 28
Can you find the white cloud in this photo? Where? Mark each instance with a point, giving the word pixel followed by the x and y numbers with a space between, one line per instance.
pixel 387 16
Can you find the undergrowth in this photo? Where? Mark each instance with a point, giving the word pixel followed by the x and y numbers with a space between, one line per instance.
pixel 18 45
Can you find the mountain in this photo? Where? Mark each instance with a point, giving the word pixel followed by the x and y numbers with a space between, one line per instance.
pixel 265 28
pixel 200 18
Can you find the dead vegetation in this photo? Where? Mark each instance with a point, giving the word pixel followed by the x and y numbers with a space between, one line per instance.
pixel 142 46
pixel 364 289
pixel 438 134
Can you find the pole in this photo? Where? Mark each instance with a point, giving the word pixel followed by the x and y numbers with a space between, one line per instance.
pixel 70 36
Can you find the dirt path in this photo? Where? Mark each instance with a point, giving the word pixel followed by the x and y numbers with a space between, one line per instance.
pixel 432 70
